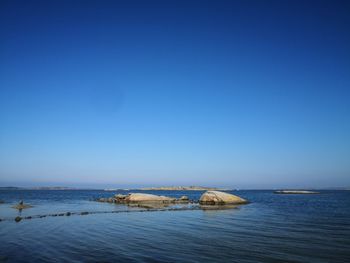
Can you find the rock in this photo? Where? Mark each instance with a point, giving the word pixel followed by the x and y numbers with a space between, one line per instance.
pixel 68 213
pixel 183 198
pixel 84 213
pixel 119 197
pixel 18 218
pixel 140 197
pixel 111 200
pixel 220 198
pixel 295 192
pixel 2 202
pixel 107 200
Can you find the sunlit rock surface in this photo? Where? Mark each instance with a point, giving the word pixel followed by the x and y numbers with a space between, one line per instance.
pixel 220 198
pixel 140 197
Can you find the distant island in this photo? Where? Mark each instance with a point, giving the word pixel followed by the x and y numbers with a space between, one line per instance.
pixel 182 188
pixel 52 188
pixel 9 188
pixel 164 188
pixel 295 192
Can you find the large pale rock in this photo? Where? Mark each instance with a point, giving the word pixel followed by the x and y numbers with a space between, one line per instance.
pixel 217 198
pixel 140 197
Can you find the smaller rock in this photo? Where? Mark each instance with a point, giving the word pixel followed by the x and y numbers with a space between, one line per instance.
pixel 18 218
pixel 120 196
pixel 84 213
pixel 184 198
pixel 68 213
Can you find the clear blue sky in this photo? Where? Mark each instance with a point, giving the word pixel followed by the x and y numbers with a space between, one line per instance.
pixel 247 94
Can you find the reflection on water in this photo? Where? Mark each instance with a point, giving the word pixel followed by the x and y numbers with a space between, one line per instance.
pixel 218 207
pixel 272 228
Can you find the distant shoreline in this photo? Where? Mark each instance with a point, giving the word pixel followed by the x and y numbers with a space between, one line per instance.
pixel 182 188
pixel 164 188
pixel 171 188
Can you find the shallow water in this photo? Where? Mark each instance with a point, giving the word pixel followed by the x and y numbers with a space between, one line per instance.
pixel 272 228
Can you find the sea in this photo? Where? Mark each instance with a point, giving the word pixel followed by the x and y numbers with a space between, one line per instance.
pixel 271 228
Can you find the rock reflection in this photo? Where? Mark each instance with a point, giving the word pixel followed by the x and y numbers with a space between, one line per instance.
pixel 218 207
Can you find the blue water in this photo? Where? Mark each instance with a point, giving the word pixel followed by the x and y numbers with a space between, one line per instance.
pixel 272 228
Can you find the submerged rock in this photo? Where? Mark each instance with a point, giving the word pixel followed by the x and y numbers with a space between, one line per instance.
pixel 21 206
pixel 220 198
pixel 150 204
pixel 111 200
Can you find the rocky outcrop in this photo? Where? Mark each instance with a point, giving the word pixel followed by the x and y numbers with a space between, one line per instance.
pixel 133 198
pixel 220 198
pixel 140 197
pixel 209 200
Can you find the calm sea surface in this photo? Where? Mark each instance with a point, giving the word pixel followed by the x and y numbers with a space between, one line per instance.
pixel 272 228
